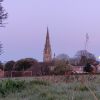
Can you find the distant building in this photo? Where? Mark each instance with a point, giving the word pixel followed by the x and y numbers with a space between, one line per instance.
pixel 78 69
pixel 47 54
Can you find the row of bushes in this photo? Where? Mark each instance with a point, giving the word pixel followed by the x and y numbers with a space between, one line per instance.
pixel 13 86
pixel 56 67
pixel 19 65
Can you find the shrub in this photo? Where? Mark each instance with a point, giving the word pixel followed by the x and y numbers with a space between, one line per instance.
pixel 81 88
pixel 10 86
pixel 9 65
pixel 24 64
pixel 61 67
pixel 88 68
pixel 39 82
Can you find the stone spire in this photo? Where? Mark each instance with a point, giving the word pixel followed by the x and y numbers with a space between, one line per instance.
pixel 47 54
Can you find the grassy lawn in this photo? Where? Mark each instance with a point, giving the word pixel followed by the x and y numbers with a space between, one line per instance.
pixel 37 89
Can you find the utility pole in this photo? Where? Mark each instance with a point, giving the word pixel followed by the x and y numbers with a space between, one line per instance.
pixel 86 45
pixel 86 41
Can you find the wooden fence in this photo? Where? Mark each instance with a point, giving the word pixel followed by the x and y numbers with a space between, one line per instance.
pixel 15 74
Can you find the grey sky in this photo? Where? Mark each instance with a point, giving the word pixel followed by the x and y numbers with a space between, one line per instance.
pixel 68 22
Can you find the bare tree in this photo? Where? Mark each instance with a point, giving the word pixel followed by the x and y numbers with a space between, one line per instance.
pixel 3 15
pixel 1 51
pixel 64 57
pixel 85 53
pixel 84 56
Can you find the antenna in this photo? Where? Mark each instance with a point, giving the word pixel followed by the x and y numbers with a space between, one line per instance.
pixel 86 41
pixel 54 55
pixel 86 44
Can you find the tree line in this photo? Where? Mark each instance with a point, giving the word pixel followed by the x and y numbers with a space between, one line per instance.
pixel 59 65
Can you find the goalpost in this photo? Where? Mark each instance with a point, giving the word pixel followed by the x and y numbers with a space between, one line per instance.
pixel 21 73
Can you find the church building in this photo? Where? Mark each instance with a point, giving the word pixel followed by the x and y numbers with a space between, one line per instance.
pixel 47 53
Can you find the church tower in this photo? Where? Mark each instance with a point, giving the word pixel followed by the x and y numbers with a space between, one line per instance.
pixel 47 54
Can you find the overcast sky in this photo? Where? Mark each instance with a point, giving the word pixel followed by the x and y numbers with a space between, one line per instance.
pixel 68 22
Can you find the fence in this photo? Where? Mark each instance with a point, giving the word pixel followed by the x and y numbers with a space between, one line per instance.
pixel 30 74
pixel 15 74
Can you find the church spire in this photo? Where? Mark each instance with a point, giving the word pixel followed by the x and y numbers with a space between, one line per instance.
pixel 47 43
pixel 47 55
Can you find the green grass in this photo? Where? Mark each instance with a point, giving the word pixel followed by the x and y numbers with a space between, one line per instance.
pixel 35 89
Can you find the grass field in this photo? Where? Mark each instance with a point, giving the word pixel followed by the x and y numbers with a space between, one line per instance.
pixel 46 88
